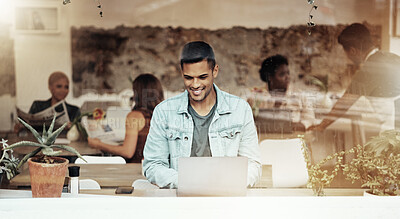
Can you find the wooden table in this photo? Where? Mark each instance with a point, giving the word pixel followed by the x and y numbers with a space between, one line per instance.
pixel 81 146
pixel 107 175
pixel 254 192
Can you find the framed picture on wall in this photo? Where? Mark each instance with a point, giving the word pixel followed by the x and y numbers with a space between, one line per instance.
pixel 37 19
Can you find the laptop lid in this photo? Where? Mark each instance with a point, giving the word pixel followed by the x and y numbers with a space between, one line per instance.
pixel 212 176
pixel 116 117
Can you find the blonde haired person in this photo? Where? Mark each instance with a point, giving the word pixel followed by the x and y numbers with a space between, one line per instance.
pixel 58 85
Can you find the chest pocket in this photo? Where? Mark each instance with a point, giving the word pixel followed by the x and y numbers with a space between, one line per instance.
pixel 175 142
pixel 230 140
pixel 230 133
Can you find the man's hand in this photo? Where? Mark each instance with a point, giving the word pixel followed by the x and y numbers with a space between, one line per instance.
pixel 320 127
pixel 315 128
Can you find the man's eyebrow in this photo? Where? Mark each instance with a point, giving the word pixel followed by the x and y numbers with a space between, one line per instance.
pixel 201 75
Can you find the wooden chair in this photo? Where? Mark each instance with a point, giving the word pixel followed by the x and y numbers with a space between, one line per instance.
pixel 88 184
pixel 101 160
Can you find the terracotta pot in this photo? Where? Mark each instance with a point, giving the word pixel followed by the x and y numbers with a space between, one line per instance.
pixel 47 180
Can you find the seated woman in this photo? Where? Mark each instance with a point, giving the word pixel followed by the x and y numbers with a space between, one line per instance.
pixel 58 85
pixel 59 89
pixel 148 93
pixel 274 103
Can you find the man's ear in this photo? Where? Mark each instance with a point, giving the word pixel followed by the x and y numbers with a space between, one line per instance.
pixel 215 71
pixel 353 51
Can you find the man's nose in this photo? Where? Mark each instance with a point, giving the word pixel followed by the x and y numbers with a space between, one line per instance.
pixel 196 83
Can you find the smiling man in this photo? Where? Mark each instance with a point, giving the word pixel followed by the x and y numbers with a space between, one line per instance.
pixel 201 122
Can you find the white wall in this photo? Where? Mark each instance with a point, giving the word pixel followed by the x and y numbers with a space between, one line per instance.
pixel 37 55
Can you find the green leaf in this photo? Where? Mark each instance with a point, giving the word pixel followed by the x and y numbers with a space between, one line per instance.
pixel 48 151
pixel 31 154
pixel 50 140
pixel 44 134
pixel 34 132
pixel 50 131
pixel 70 149
pixel 82 131
pixel 24 143
pixel 315 81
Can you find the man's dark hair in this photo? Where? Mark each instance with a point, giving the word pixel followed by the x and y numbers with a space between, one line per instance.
pixel 357 36
pixel 269 66
pixel 198 51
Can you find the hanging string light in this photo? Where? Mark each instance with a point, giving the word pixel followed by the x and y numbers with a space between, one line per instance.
pixel 99 7
pixel 98 3
pixel 310 23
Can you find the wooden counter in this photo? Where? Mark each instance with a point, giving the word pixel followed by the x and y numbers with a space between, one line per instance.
pixel 107 175
pixel 253 192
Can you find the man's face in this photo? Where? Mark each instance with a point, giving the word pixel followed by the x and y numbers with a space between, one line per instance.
pixel 198 79
pixel 59 89
pixel 354 55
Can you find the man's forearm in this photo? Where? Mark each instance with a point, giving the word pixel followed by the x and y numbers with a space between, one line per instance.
pixel 162 176
pixel 339 109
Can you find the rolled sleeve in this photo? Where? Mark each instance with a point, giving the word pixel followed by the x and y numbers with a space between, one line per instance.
pixel 249 148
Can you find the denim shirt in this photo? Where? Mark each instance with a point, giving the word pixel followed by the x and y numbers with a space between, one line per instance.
pixel 231 133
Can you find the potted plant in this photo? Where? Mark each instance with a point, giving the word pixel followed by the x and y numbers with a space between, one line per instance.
pixel 8 163
pixel 377 164
pixel 47 171
pixel 318 177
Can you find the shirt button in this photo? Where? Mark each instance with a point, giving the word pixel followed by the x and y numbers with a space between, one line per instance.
pixel 186 138
pixel 171 136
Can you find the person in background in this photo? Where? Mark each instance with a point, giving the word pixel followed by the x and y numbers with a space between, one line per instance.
pixel 58 85
pixel 275 101
pixel 201 122
pixel 59 89
pixel 148 93
pixel 377 78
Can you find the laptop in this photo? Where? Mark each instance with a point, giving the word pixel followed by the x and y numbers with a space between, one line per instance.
pixel 212 176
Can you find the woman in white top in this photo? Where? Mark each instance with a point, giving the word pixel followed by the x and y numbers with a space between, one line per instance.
pixel 274 102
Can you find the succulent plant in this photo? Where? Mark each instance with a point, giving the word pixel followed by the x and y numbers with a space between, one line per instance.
pixel 8 163
pixel 45 143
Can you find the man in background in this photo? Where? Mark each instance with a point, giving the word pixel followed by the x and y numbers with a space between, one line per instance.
pixel 377 78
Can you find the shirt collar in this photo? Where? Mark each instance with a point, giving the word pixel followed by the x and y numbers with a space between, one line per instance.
pixel 222 103
pixel 375 50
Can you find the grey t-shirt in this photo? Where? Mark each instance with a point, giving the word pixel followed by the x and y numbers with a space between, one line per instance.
pixel 200 143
